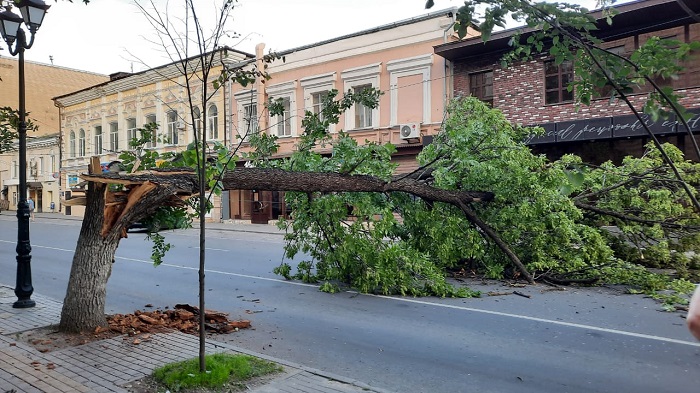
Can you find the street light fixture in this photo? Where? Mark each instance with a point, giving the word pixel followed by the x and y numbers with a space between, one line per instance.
pixel 33 12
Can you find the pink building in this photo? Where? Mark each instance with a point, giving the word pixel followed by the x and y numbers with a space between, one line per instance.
pixel 397 59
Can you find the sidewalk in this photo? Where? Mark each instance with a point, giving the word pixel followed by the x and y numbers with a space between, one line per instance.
pixel 111 365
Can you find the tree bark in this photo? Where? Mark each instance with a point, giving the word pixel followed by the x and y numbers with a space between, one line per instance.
pixel 84 304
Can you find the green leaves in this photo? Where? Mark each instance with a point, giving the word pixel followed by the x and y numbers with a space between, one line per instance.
pixel 9 126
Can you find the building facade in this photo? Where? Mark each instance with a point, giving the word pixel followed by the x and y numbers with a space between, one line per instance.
pixel 535 92
pixel 102 119
pixel 42 82
pixel 397 59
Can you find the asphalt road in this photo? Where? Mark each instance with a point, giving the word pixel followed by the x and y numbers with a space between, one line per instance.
pixel 578 340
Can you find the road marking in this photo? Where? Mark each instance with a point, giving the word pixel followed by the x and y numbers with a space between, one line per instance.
pixel 421 302
pixel 35 246
pixel 569 324
pixel 477 310
pixel 301 284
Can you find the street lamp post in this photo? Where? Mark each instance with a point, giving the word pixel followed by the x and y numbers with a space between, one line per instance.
pixel 33 12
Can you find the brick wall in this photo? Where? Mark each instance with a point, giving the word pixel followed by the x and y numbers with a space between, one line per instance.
pixel 518 91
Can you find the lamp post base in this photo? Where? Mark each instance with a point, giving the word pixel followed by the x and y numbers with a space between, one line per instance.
pixel 24 303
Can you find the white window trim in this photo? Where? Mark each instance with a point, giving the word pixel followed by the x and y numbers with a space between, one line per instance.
pixel 316 84
pixel 353 77
pixel 210 123
pixel 171 128
pixel 98 148
pixel 284 90
pixel 419 65
pixel 133 131
pixel 114 147
pixel 244 98
pixel 152 144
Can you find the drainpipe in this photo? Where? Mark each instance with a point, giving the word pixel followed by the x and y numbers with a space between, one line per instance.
pixel 260 87
pixel 60 152
pixel 448 69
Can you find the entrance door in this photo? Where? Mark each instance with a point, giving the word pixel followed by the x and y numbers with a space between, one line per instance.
pixel 260 208
pixel 38 198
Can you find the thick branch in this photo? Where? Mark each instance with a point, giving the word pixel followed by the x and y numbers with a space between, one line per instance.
pixel 281 180
pixel 474 219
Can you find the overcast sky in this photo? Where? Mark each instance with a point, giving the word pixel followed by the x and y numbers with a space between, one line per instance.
pixel 109 36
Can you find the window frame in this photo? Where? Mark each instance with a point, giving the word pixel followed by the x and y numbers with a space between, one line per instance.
pixel 562 88
pixel 197 125
pixel 356 77
pixel 71 144
pixel 478 83
pixel 314 85
pixel 81 143
pixel 287 92
pixel 250 120
pixel 419 65
pixel 98 139
pixel 171 120
pixel 244 99
pixel 114 137
pixel 152 118
pixel 213 123
pixel 131 130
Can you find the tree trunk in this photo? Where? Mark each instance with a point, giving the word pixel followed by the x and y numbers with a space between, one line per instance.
pixel 84 305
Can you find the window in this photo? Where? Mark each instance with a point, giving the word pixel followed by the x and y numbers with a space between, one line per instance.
pixel 98 139
pixel 247 121
pixel 317 102
pixel 316 90
pixel 363 113
pixel 283 122
pixel 151 119
pixel 197 119
pixel 81 143
pixel 250 119
pixel 114 136
pixel 131 130
pixel 71 144
pixel 481 86
pixel 409 90
pixel 15 169
pixel 212 123
pixel 556 82
pixel 40 166
pixel 358 80
pixel 172 128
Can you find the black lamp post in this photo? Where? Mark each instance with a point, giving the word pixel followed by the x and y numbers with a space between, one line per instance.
pixel 33 12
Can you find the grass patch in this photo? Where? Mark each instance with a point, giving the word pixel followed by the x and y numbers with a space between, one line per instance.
pixel 222 369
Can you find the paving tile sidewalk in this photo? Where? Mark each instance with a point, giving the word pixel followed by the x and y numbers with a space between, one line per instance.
pixel 111 365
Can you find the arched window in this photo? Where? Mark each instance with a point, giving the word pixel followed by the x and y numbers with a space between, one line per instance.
pixel 71 145
pixel 98 140
pixel 212 123
pixel 114 136
pixel 197 119
pixel 81 143
pixel 172 128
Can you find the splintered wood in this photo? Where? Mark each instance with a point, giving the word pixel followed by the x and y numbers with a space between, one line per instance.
pixel 184 318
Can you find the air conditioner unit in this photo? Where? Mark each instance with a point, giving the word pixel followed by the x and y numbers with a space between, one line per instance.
pixel 410 130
